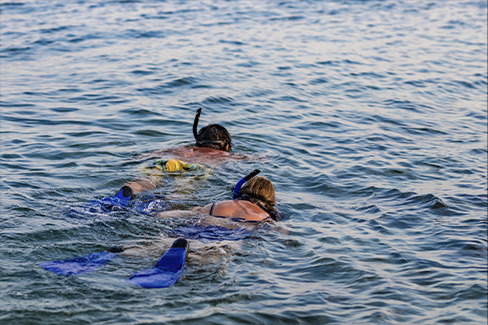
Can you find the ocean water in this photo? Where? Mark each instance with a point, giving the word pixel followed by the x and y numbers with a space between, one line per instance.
pixel 370 117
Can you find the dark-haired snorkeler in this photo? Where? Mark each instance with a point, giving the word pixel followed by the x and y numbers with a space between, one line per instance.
pixel 213 143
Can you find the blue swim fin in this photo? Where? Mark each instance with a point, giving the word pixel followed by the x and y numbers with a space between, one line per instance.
pixel 168 269
pixel 118 202
pixel 81 264
pixel 125 201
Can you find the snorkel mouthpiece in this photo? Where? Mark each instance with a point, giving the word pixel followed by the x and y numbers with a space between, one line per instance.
pixel 239 184
pixel 195 123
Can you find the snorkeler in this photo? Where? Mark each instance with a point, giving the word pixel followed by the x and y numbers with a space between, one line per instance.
pixel 253 200
pixel 212 143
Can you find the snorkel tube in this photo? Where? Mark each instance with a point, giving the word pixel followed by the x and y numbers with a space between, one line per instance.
pixel 239 184
pixel 195 123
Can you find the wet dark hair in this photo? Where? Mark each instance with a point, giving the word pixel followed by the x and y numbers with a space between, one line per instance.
pixel 214 136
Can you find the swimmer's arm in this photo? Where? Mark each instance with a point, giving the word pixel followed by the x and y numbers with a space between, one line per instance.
pixel 179 153
pixel 185 213
pixel 176 214
pixel 143 184
pixel 203 210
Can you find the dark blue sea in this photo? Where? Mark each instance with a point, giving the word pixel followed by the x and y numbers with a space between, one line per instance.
pixel 370 117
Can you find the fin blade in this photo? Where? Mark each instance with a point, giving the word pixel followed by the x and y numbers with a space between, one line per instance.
pixel 167 271
pixel 80 264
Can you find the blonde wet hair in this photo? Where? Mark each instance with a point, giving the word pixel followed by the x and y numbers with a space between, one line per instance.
pixel 260 188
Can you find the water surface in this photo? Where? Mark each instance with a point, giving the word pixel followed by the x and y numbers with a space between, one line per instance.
pixel 368 116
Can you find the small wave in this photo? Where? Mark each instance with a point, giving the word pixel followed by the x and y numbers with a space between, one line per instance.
pixel 338 62
pixel 232 42
pixel 149 133
pixel 159 34
pixel 54 29
pixel 180 82
pixel 289 18
pixel 218 100
pixel 318 81
pixel 12 51
pixel 64 109
pixel 142 72
pixel 83 134
pixel 408 105
pixel 141 112
pixel 11 4
pixel 423 130
pixel 157 90
pixel 368 74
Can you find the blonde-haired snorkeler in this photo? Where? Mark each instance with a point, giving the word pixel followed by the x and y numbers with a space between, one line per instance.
pixel 216 228
pixel 253 201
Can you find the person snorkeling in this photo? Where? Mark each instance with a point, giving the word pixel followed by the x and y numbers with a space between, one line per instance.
pixel 212 142
pixel 253 200
pixel 212 145
pixel 213 241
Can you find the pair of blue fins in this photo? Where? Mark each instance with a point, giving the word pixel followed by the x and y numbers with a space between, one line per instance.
pixel 164 274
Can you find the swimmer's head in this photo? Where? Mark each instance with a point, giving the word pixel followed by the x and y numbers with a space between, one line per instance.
pixel 211 136
pixel 260 188
pixel 214 136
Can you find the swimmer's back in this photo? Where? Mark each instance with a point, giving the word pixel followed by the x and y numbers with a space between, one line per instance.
pixel 236 209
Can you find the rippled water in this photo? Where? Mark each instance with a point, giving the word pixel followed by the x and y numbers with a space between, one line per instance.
pixel 369 117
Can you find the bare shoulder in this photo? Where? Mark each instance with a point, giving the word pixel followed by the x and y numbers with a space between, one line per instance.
pixel 202 155
pixel 179 152
pixel 225 208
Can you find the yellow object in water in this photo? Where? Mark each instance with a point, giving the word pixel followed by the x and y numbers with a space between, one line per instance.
pixel 184 176
pixel 174 165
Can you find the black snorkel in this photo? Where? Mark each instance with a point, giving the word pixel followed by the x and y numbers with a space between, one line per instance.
pixel 241 182
pixel 195 123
